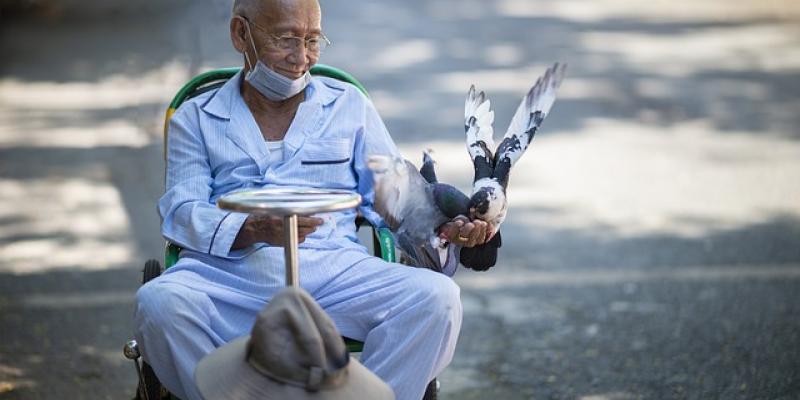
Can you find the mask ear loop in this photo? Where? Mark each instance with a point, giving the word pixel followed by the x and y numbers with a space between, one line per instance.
pixel 252 43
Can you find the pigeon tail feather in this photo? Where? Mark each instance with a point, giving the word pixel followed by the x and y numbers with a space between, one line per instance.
pixel 483 257
pixel 427 169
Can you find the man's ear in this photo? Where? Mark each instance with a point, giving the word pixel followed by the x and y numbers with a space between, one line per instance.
pixel 238 34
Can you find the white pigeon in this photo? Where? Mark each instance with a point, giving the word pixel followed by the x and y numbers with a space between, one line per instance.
pixel 488 201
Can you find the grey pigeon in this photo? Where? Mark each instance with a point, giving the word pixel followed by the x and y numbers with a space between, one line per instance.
pixel 488 201
pixel 414 205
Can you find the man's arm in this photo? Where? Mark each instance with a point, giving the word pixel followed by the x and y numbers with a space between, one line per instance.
pixel 188 217
pixel 372 139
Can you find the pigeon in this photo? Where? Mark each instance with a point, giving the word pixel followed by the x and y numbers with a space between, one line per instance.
pixel 414 205
pixel 488 201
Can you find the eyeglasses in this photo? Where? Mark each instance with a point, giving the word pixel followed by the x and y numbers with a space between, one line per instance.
pixel 314 44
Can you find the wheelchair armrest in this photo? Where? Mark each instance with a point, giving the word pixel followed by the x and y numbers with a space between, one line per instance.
pixel 386 244
pixel 382 240
pixel 171 254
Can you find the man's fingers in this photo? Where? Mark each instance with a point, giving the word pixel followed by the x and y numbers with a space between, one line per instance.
pixel 465 234
pixel 305 231
pixel 480 237
pixel 475 237
pixel 480 232
pixel 489 233
pixel 476 234
pixel 448 230
pixel 466 230
pixel 460 220
pixel 309 221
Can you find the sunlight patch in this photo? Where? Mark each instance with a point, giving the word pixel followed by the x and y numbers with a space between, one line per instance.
pixel 658 10
pixel 405 54
pixel 51 224
pixel 115 91
pixel 119 132
pixel 764 47
pixel 65 114
pixel 524 277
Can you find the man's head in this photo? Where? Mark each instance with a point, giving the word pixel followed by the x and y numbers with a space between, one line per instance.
pixel 260 29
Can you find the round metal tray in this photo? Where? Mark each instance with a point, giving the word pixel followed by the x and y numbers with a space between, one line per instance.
pixel 284 201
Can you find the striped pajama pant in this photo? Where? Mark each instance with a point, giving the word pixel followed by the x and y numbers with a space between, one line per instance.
pixel 408 318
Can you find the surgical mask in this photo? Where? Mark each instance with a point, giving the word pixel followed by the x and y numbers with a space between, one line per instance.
pixel 269 83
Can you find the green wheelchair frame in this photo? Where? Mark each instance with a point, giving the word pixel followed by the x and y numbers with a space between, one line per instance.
pixel 383 243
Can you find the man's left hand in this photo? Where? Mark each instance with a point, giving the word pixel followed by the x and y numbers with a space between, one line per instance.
pixel 466 233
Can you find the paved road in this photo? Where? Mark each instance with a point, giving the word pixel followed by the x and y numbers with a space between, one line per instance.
pixel 653 248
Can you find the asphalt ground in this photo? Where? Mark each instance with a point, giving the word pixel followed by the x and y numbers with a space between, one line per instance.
pixel 652 249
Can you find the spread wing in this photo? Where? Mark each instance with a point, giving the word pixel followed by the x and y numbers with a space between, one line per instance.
pixel 533 109
pixel 478 120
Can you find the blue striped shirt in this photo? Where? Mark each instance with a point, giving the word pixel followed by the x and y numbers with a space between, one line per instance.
pixel 216 147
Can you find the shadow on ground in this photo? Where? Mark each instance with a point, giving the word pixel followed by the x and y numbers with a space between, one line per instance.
pixel 731 334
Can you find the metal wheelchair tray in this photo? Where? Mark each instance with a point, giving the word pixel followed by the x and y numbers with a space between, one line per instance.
pixel 289 201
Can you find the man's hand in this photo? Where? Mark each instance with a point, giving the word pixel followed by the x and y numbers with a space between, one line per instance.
pixel 466 233
pixel 269 229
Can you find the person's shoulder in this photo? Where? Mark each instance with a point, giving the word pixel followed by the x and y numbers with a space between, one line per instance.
pixel 340 88
pixel 189 110
pixel 197 102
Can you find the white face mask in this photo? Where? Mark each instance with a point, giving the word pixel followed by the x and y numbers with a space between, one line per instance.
pixel 269 83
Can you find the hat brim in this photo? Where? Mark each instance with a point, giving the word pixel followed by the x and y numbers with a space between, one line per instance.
pixel 225 374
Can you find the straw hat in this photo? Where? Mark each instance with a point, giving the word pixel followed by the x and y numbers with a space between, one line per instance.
pixel 294 352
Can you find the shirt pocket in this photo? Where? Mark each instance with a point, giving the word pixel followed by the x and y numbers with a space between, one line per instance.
pixel 325 152
pixel 326 162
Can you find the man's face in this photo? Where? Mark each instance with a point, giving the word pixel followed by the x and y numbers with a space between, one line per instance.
pixel 282 18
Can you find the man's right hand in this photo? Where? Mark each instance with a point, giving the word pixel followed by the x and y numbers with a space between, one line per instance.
pixel 269 229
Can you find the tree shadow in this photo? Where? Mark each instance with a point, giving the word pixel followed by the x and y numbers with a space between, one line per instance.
pixel 772 240
pixel 418 61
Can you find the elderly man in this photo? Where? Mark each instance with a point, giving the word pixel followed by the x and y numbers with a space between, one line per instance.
pixel 272 124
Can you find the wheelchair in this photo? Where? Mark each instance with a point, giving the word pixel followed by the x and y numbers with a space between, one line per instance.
pixel 382 241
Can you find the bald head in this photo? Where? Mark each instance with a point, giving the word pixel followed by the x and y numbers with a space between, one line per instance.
pixel 252 8
pixel 246 7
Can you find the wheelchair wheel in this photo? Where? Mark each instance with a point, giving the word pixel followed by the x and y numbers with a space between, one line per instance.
pixel 152 269
pixel 432 391
pixel 151 384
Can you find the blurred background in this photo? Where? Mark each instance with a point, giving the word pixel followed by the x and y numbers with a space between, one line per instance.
pixel 652 248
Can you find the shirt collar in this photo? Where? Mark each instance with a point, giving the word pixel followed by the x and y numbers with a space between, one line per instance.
pixel 221 103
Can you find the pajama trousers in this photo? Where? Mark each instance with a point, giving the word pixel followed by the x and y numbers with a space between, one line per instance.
pixel 408 318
